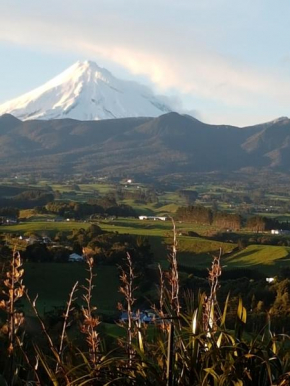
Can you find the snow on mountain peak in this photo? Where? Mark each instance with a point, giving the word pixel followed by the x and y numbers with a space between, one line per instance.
pixel 86 91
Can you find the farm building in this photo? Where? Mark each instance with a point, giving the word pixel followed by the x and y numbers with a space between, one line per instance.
pixel 155 218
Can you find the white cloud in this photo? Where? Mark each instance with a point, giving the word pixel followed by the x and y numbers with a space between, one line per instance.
pixel 173 56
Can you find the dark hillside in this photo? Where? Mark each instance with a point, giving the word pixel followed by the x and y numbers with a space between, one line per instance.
pixel 171 143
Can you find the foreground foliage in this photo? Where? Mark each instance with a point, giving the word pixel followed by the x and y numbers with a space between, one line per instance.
pixel 188 343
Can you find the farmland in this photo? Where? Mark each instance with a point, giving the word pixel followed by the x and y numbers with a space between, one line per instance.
pixel 52 282
pixel 196 242
pixel 192 251
pixel 266 258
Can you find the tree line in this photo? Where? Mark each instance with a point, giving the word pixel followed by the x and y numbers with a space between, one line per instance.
pixel 97 207
pixel 27 199
pixel 207 216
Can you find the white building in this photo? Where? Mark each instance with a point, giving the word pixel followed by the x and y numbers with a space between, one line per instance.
pixel 155 218
pixel 279 232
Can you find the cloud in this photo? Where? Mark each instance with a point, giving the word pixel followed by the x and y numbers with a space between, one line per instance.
pixel 175 57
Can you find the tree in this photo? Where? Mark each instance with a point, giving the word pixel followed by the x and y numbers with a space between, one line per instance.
pixel 37 253
pixel 9 211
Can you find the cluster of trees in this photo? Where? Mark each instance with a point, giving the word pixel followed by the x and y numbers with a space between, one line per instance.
pixel 227 220
pixel 43 201
pixel 111 248
pixel 261 224
pixel 9 211
pixel 188 195
pixel 235 198
pixel 27 199
pixel 207 216
pixel 138 195
pixel 280 241
pixel 106 247
pixel 249 201
pixel 198 214
pixel 100 207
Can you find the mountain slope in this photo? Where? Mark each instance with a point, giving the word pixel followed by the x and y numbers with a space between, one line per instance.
pixel 86 92
pixel 271 145
pixel 168 144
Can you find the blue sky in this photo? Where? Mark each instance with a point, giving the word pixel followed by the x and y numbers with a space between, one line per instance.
pixel 225 61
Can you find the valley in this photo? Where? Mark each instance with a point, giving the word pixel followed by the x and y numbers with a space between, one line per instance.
pixel 91 197
pixel 245 251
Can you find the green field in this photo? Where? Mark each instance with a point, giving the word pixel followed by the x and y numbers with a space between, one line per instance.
pixel 44 227
pixel 265 258
pixel 101 188
pixel 53 282
pixel 192 251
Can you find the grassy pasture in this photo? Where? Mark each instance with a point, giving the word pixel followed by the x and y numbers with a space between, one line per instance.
pixel 267 258
pixel 141 209
pixel 195 252
pixel 151 227
pixel 43 226
pixel 85 190
pixel 31 215
pixel 53 282
pixel 192 251
pixel 101 188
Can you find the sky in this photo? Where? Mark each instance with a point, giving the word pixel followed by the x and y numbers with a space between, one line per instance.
pixel 223 61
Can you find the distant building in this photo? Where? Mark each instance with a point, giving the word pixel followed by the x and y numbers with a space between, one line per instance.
pixel 279 232
pixel 155 218
pixel 8 220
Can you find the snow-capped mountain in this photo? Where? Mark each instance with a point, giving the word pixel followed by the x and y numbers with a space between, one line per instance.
pixel 86 91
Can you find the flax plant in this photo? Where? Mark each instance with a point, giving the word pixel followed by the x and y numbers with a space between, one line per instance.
pixel 47 363
pixel 210 303
pixel 173 274
pixel 14 290
pixel 127 289
pixel 69 309
pixel 90 322
pixel 162 290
